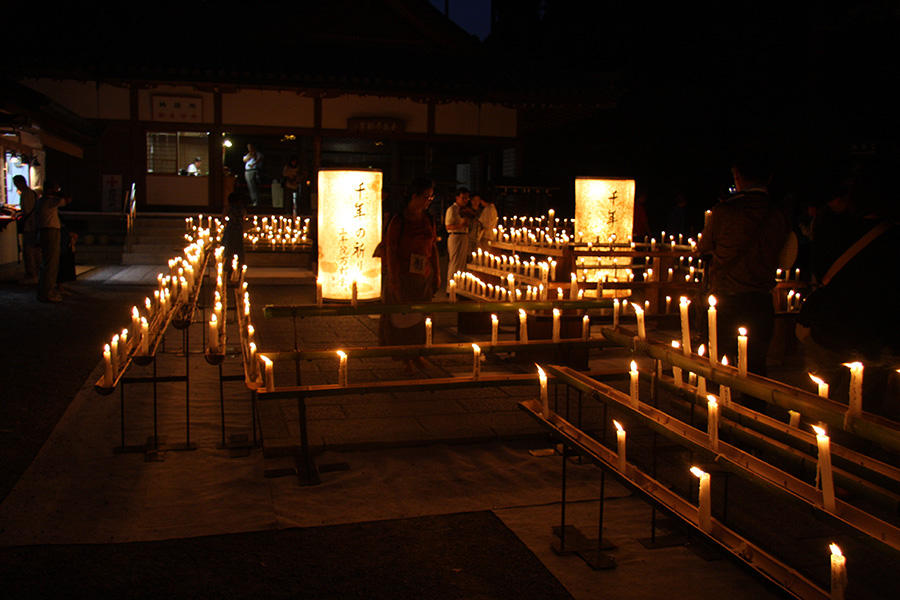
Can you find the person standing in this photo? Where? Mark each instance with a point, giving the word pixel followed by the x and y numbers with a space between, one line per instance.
pixel 48 231
pixel 745 234
pixel 290 175
pixel 31 251
pixel 412 273
pixel 253 162
pixel 487 218
pixel 458 229
pixel 233 237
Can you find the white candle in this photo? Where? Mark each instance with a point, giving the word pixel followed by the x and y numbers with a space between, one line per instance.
pixel 553 270
pixel 523 326
pixel 269 370
pixel 635 389
pixel 573 288
pixel 135 320
pixel 428 332
pixel 145 337
pixel 642 330
pixel 685 326
pixel 213 335
pixel 825 476
pixel 107 366
pixel 556 315
pixel 705 503
pixel 725 391
pixel 114 353
pixel 713 422
pixel 794 418
pixel 585 327
pixel 495 329
pixel 668 304
pixel 476 361
pixel 670 274
pixel 252 362
pixel 856 376
pixel 353 294
pixel 343 377
pixel 742 351
pixel 318 292
pixel 838 573
pixel 452 290
pixel 620 445
pixel 823 387
pixel 713 333
pixel 615 313
pixel 545 402
pixel 676 371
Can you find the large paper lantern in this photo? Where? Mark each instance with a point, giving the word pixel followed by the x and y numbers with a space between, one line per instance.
pixel 349 229
pixel 604 211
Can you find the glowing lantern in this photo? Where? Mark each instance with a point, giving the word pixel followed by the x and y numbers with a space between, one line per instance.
pixel 350 224
pixel 604 211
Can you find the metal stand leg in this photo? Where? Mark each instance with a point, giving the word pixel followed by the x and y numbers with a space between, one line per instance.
pixel 307 471
pixel 187 445
pixel 598 560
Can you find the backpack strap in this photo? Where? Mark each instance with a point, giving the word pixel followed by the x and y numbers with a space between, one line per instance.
pixel 855 249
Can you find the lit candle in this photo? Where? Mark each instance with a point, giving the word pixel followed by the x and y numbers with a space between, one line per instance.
pixel 635 390
pixel 107 366
pixel 713 422
pixel 671 273
pixel 713 333
pixel 825 476
pixel 428 332
pixel 213 335
pixel 135 320
pixel 269 370
pixel 642 330
pixel 318 292
pixel 523 326
pixel 620 445
pixel 823 387
pixel 476 361
pixel 343 377
pixel 676 371
pixel 725 391
pixel 585 327
pixel 856 376
pixel 252 359
pixel 145 337
pixel 545 402
pixel 353 294
pixel 559 293
pixel 668 303
pixel 114 352
pixel 615 313
pixel 452 288
pixel 794 418
pixel 495 329
pixel 701 381
pixel 705 504
pixel 556 315
pixel 838 573
pixel 573 288
pixel 685 326
pixel 742 351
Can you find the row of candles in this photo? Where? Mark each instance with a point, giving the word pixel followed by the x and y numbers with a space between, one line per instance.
pixel 173 290
pixel 278 232
pixel 825 477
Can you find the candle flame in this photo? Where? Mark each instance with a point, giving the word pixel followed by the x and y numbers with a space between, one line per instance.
pixel 476 348
pixel 618 425
pixel 134 312
pixel 724 361
pixel 698 472
pixel 253 346
pixel 712 301
pixel 835 550
pixel 494 318
pixel 115 339
pixel 143 321
pixel 341 354
pixel 712 400
pixel 106 348
pixel 818 430
pixel 266 359
pixel 556 312
pixel 816 379
pixel 633 366
pixel 676 344
pixel 637 309
pixel 854 365
pixel 701 350
pixel 684 301
pixel 742 331
pixel 213 319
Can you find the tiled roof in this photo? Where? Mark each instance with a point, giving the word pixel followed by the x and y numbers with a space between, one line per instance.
pixel 392 47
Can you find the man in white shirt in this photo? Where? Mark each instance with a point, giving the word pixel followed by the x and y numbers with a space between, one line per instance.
pixel 194 168
pixel 458 239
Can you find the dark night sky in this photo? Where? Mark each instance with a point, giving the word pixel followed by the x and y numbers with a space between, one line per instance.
pixel 472 15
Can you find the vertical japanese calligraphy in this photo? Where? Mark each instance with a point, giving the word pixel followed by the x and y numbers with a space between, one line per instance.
pixel 350 226
pixel 604 213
